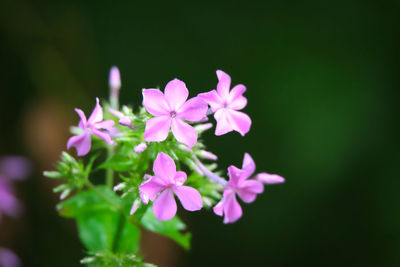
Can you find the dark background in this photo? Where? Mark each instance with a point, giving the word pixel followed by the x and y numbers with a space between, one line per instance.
pixel 323 94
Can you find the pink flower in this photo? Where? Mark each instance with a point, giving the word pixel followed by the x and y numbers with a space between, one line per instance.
pixel 240 184
pixel 11 168
pixel 170 110
pixel 226 104
pixel 94 125
pixel 9 258
pixel 162 187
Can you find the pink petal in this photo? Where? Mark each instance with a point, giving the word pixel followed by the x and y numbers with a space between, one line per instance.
pixel 157 129
pixel 249 190
pixel 105 136
pixel 195 109
pixel 81 142
pixel 213 99
pixel 238 104
pixel 240 121
pixel 83 121
pixel 267 178
pixel 184 133
pixel 219 208
pixel 97 113
pixel 236 176
pixel 223 124
pixel 236 100
pixel 237 91
pixel 150 189
pixel 224 84
pixel 155 103
pixel 248 165
pixel 107 125
pixel 176 94
pixel 180 178
pixel 164 206
pixel 190 198
pixel 164 167
pixel 232 209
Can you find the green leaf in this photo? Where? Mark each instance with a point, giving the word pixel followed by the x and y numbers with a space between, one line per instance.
pixel 171 228
pixel 119 163
pixel 101 225
pixel 99 198
pixel 98 231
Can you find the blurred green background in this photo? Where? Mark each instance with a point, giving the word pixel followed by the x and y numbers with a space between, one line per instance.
pixel 323 94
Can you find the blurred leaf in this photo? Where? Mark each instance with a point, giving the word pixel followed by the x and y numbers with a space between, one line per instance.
pixel 171 228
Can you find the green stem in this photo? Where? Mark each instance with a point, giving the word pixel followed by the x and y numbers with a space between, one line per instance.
pixel 109 171
pixel 118 234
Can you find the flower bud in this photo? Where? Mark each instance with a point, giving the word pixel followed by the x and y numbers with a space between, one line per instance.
pixel 115 78
pixel 140 148
pixel 135 206
pixel 207 155
pixel 115 84
pixel 203 127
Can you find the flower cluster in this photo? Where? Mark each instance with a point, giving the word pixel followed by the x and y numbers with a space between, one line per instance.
pixel 171 110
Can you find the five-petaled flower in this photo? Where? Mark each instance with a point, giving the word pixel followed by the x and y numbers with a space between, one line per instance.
pixel 161 188
pixel 94 125
pixel 170 110
pixel 247 189
pixel 226 105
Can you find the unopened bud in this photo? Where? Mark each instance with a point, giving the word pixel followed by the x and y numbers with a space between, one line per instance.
pixel 135 206
pixel 119 187
pixel 64 194
pixel 115 84
pixel 115 78
pixel 203 127
pixel 207 155
pixel 140 148
pixel 267 178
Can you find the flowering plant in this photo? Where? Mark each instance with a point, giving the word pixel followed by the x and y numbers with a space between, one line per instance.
pixel 146 167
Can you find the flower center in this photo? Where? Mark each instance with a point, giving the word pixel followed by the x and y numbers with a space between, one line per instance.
pixel 225 105
pixel 173 114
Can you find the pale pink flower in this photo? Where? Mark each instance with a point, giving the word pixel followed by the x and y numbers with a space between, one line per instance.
pixel 12 168
pixel 170 110
pixel 161 188
pixel 9 258
pixel 94 125
pixel 226 104
pixel 240 184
